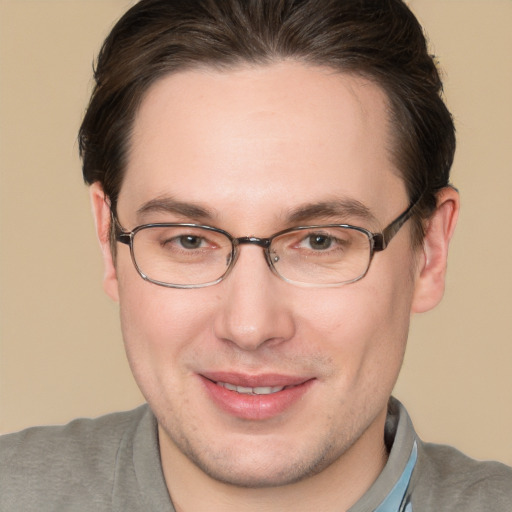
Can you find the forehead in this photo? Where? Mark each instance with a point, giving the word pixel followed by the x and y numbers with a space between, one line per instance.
pixel 261 137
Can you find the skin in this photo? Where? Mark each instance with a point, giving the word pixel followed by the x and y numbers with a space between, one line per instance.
pixel 250 145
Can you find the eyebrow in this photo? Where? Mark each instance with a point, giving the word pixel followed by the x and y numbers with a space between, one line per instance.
pixel 336 209
pixel 170 205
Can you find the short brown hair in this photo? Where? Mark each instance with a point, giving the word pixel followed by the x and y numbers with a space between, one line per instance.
pixel 380 40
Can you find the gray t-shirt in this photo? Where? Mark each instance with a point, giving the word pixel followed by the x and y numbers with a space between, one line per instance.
pixel 112 464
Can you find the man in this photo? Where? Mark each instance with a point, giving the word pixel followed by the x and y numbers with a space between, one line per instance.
pixel 270 185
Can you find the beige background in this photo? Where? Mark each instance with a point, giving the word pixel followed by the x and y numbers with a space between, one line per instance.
pixel 60 348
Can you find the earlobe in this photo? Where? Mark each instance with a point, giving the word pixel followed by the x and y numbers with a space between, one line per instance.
pixel 102 220
pixel 430 280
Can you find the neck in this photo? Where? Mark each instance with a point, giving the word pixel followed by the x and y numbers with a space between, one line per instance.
pixel 336 488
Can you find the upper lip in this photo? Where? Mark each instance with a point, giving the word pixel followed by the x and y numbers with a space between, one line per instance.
pixel 254 381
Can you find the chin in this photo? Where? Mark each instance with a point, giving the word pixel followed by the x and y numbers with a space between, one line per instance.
pixel 272 473
pixel 260 462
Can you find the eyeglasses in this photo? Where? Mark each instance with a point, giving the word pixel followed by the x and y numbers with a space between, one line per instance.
pixel 180 255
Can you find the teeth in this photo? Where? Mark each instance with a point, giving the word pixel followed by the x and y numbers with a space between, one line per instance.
pixel 261 390
pixel 267 390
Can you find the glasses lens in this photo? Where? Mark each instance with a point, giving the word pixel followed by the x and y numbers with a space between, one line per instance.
pixel 321 255
pixel 181 255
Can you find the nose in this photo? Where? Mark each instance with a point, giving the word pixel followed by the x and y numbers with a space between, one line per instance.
pixel 255 308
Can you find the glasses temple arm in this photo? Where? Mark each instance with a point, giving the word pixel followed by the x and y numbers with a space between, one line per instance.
pixel 381 240
pixel 120 234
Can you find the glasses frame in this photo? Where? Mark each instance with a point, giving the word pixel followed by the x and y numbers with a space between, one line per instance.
pixel 378 242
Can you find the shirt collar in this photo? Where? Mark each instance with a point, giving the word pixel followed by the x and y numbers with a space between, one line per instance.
pixel 400 440
pixel 396 500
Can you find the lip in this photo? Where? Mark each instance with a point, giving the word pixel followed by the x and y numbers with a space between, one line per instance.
pixel 255 406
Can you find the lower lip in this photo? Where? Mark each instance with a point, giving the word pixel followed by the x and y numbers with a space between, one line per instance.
pixel 255 407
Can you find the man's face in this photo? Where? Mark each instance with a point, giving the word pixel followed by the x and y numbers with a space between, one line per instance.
pixel 249 147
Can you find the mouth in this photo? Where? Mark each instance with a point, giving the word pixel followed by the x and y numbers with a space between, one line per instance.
pixel 255 397
pixel 258 390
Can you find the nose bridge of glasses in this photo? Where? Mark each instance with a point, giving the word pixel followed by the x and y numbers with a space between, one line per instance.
pixel 264 243
pixel 252 240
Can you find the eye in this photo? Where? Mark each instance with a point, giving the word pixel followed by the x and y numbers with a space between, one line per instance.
pixel 324 241
pixel 319 242
pixel 190 241
pixel 185 240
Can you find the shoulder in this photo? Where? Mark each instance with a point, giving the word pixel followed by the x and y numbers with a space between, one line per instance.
pixel 80 437
pixel 447 478
pixel 63 461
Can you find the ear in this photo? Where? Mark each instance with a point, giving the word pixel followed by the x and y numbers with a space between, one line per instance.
pixel 102 220
pixel 430 280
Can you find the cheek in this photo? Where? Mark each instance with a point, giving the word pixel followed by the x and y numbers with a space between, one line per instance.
pixel 158 325
pixel 363 326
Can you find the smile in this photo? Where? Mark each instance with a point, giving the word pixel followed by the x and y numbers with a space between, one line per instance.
pixel 260 390
pixel 255 398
